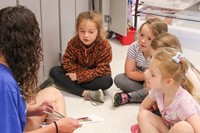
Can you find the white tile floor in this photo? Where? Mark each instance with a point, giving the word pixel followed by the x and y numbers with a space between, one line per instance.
pixel 119 120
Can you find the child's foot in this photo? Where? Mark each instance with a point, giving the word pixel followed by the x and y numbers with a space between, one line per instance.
pixel 120 98
pixel 95 95
pixel 135 129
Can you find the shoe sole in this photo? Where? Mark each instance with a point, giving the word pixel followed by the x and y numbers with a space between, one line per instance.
pixel 113 99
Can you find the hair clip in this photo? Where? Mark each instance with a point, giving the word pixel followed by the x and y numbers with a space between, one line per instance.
pixel 178 57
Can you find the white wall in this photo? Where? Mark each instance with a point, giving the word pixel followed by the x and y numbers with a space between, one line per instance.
pixel 57 22
pixel 4 3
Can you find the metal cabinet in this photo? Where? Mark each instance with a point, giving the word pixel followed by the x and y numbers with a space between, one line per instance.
pixel 116 11
pixel 118 14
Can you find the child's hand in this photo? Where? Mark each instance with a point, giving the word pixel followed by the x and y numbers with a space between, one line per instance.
pixel 72 76
pixel 155 106
pixel 146 82
pixel 145 73
pixel 147 86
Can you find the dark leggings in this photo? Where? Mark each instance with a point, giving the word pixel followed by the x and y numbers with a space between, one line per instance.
pixel 61 80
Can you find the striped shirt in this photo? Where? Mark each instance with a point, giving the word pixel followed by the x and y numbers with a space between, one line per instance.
pixel 135 53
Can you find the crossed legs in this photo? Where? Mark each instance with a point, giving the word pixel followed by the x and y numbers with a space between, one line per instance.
pixel 150 122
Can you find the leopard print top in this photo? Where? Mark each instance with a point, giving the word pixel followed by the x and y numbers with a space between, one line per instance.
pixel 87 62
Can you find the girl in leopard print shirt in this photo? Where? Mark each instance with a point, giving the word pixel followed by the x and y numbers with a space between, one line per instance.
pixel 85 67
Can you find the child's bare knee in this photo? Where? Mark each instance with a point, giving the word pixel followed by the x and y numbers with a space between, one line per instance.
pixel 182 127
pixel 142 115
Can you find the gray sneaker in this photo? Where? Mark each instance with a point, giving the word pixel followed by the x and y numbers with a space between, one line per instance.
pixel 96 95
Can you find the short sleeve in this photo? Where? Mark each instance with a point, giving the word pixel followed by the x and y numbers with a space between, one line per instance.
pixel 8 113
pixel 132 51
pixel 183 111
pixel 13 111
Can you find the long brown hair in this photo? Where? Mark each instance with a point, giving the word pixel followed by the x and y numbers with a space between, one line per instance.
pixel 20 45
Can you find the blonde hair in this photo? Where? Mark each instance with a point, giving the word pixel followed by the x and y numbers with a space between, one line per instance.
pixel 95 17
pixel 171 69
pixel 170 40
pixel 156 25
pixel 165 40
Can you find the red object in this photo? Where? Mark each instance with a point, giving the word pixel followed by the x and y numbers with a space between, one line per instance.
pixel 135 129
pixel 127 40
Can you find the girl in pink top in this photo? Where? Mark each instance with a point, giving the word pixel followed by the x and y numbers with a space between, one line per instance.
pixel 170 40
pixel 174 94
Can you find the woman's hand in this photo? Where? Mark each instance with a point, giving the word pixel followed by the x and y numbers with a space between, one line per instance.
pixel 72 76
pixel 48 106
pixel 68 125
pixel 64 125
